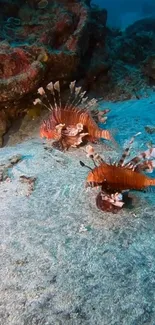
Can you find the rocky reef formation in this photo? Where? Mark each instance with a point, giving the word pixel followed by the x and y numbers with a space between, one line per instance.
pixel 64 40
pixel 40 39
pixel 128 56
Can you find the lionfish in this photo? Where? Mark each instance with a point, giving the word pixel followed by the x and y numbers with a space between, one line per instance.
pixel 74 122
pixel 116 179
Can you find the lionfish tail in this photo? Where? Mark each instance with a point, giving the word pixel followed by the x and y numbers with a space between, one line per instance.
pixel 108 135
pixel 105 134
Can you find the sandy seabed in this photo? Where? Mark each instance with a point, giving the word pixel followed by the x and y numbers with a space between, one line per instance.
pixel 62 261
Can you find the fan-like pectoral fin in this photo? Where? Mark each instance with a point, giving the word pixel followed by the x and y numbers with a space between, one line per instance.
pixel 109 202
pixel 77 140
pixel 73 130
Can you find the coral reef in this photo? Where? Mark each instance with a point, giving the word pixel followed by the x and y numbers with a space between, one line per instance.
pixel 19 72
pixel 129 51
pixel 8 114
pixel 65 40
pixel 78 43
pixel 61 39
pixel 35 40
pixel 125 61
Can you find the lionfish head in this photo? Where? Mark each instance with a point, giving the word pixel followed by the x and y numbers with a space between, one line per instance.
pixel 50 133
pixel 93 179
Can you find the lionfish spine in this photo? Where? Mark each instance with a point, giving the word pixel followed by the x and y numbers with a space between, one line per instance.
pixel 145 156
pixel 126 152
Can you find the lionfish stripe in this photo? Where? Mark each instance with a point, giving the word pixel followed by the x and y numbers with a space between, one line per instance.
pixel 105 134
pixel 127 151
pixel 150 153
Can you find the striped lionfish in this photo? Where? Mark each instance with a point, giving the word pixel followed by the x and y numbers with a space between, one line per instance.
pixel 73 123
pixel 118 178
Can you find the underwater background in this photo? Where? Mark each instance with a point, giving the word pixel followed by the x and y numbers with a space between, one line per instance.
pixel 66 258
pixel 123 13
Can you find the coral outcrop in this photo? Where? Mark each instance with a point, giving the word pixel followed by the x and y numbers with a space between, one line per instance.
pixel 19 72
pixel 40 38
pixel 65 40
pixel 129 58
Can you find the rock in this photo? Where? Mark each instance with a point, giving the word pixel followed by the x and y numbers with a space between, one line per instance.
pixel 149 67
pixel 3 126
pixel 140 26
pixel 61 34
pixel 19 73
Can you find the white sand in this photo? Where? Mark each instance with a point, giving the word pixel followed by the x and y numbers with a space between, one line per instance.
pixel 64 262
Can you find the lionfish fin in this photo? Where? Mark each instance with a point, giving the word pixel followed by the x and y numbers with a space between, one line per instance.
pixel 57 88
pixel 72 90
pixel 84 165
pixel 51 88
pixel 77 99
pixel 96 158
pixel 91 103
pixel 72 86
pixel 84 100
pixel 42 93
pixel 126 152
pixel 144 161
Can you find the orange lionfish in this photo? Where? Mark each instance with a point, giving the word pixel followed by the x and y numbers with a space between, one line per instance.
pixel 118 178
pixel 73 123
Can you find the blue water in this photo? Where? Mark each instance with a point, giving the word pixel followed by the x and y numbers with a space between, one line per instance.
pixel 122 13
